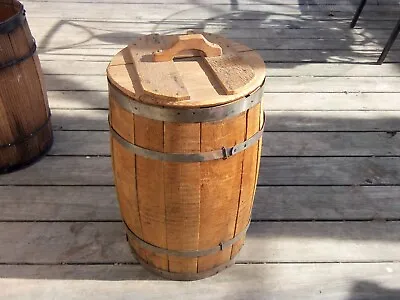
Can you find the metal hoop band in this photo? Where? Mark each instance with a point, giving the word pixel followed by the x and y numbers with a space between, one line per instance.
pixel 181 115
pixel 223 153
pixel 13 62
pixel 189 253
pixel 183 276
pixel 10 24
pixel 29 136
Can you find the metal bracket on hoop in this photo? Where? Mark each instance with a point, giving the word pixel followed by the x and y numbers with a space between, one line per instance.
pixel 225 153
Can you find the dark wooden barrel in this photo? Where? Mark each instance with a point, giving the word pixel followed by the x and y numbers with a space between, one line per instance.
pixel 186 145
pixel 25 127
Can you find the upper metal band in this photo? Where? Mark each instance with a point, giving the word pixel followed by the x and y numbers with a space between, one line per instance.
pixel 223 153
pixel 29 136
pixel 182 115
pixel 187 253
pixel 13 62
pixel 10 24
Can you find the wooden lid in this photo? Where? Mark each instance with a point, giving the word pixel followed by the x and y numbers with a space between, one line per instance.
pixel 192 70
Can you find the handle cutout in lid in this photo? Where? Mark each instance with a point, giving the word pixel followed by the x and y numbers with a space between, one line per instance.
pixel 188 42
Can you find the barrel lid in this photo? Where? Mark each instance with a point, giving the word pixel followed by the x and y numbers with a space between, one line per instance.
pixel 207 70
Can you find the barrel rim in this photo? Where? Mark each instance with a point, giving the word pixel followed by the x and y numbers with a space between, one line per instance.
pixel 186 115
pixel 14 21
pixel 183 276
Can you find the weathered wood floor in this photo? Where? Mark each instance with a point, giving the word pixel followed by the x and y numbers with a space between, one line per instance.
pixel 327 212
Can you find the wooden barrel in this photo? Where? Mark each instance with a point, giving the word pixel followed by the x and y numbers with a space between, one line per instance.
pixel 25 127
pixel 186 124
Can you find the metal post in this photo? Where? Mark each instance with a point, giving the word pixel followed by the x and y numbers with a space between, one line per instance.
pixel 389 43
pixel 358 12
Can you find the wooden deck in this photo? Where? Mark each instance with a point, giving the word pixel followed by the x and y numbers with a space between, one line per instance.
pixel 326 221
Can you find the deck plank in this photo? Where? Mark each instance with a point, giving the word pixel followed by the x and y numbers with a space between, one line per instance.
pixel 274 281
pixel 344 101
pixel 187 11
pixel 274 143
pixel 281 84
pixel 41 25
pixel 283 55
pixel 272 101
pixel 330 144
pixel 58 203
pixel 114 44
pixel 114 33
pixel 61 170
pixel 99 203
pixel 274 69
pixel 110 46
pixel 272 242
pixel 296 121
pixel 299 121
pixel 64 171
pixel 326 203
pixel 329 171
pixel 229 2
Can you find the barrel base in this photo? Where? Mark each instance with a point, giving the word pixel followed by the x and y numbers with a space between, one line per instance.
pixel 183 276
pixel 26 163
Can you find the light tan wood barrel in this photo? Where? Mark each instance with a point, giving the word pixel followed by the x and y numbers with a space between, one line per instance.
pixel 25 127
pixel 186 143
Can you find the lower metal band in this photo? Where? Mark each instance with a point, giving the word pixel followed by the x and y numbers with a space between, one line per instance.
pixel 181 115
pixel 183 276
pixel 13 22
pixel 189 253
pixel 13 62
pixel 223 153
pixel 25 163
pixel 29 136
